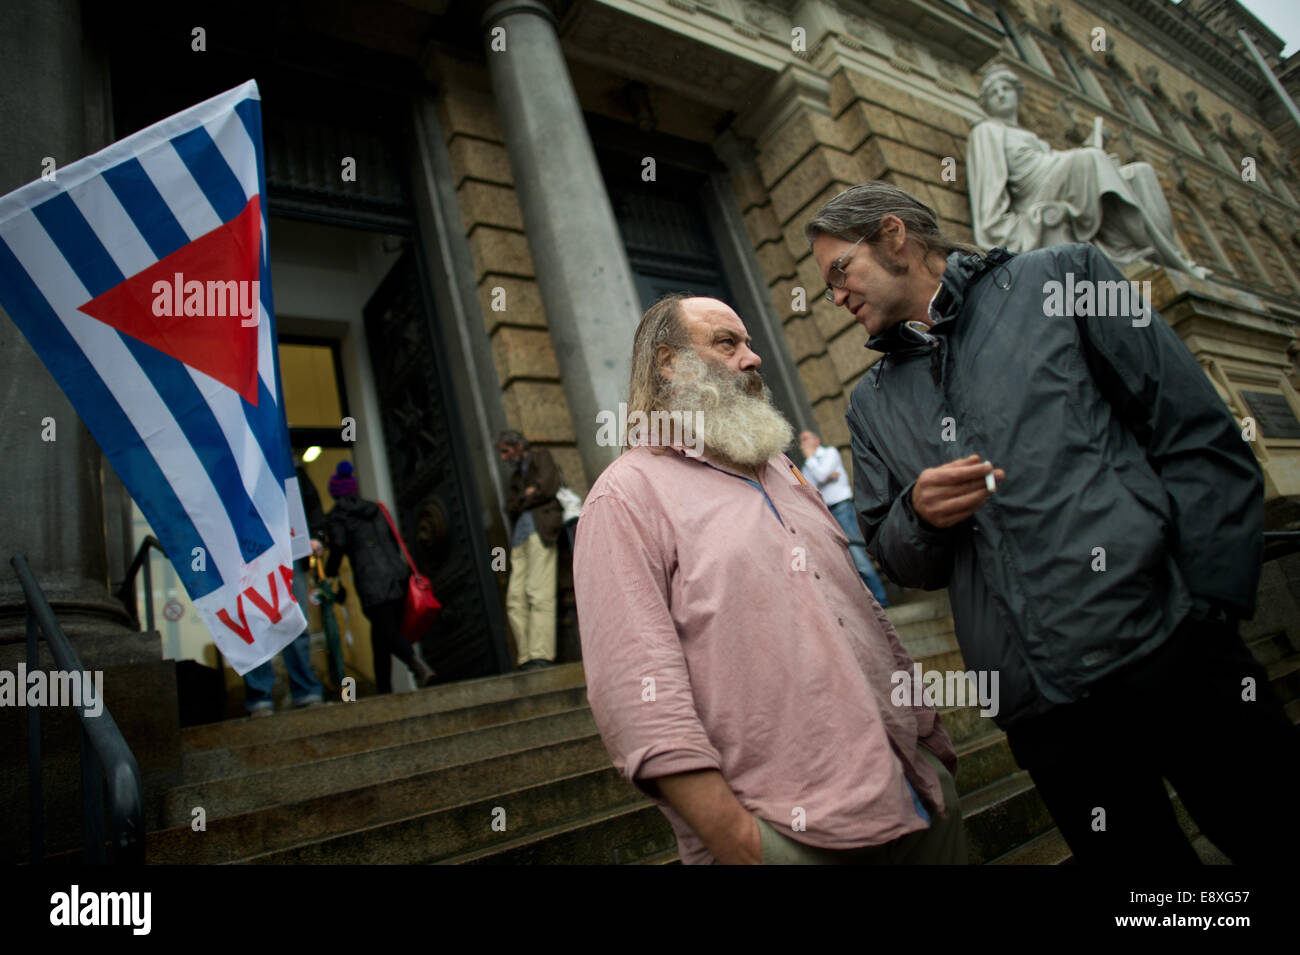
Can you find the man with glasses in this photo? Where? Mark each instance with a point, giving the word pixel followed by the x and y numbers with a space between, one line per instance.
pixel 1100 562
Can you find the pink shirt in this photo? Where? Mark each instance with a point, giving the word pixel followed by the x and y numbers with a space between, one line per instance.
pixel 721 632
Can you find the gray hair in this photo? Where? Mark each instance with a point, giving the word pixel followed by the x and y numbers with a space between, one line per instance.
pixel 660 325
pixel 512 438
pixel 857 213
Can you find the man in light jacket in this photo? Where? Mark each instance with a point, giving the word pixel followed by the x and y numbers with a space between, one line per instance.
pixel 824 469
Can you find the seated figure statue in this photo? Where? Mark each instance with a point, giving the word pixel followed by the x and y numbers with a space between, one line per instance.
pixel 1025 195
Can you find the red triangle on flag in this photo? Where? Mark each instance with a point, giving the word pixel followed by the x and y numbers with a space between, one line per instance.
pixel 185 306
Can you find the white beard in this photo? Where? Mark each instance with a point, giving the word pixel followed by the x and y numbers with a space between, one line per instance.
pixel 733 424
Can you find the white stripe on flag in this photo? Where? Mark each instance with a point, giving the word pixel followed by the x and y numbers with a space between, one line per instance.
pixel 171 177
pixel 111 224
pixel 129 385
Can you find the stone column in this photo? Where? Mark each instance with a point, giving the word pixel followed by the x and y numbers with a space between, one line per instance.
pixel 55 507
pixel 586 283
pixel 52 509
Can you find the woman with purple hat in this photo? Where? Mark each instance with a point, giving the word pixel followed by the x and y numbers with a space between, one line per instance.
pixel 359 531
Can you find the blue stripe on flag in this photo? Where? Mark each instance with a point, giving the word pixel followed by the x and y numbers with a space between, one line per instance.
pixel 78 243
pixel 250 114
pixel 211 171
pixel 204 434
pixel 107 422
pixel 146 207
pixel 90 260
pixel 266 422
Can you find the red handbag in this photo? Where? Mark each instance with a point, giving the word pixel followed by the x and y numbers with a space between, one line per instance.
pixel 422 607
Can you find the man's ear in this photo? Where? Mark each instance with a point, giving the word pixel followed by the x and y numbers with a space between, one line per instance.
pixel 893 233
pixel 664 355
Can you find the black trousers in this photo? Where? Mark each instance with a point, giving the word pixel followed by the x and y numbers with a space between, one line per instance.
pixel 1177 714
pixel 387 641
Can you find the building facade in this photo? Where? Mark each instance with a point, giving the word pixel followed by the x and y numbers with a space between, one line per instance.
pixel 472 204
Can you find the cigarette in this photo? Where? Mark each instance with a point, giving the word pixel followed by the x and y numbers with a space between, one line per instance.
pixel 990 481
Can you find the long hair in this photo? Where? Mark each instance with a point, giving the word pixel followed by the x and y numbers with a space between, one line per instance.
pixel 660 325
pixel 857 212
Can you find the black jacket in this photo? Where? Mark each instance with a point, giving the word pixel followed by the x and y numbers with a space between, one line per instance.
pixel 1111 437
pixel 359 531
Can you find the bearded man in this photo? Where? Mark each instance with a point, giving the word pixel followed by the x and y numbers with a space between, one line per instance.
pixel 737 669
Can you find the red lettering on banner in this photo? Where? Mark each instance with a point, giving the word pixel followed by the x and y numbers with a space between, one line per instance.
pixel 244 633
pixel 272 609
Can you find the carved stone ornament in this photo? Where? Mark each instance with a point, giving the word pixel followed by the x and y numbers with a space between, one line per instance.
pixel 1054 20
pixel 762 17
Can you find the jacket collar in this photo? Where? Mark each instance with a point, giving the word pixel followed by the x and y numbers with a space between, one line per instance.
pixel 962 271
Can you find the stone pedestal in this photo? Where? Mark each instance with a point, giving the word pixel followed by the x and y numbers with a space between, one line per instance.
pixel 1242 341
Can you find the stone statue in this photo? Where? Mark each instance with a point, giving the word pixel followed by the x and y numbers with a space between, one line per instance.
pixel 1025 195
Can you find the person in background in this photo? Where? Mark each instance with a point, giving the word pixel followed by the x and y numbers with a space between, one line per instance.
pixel 359 531
pixel 538 518
pixel 823 467
pixel 304 689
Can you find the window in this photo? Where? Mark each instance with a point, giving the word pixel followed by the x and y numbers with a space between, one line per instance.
pixel 1091 85
pixel 1137 106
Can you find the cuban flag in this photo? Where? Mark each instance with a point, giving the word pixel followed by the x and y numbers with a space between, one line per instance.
pixel 141 277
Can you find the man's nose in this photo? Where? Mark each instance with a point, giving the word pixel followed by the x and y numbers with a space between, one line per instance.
pixel 842 301
pixel 750 360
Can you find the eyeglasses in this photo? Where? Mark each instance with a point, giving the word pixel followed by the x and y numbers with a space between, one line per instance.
pixel 838 277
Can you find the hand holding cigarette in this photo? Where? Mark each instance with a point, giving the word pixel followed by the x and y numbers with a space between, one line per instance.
pixel 948 494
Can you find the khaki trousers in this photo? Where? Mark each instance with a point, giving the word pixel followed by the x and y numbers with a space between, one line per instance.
pixel 944 843
pixel 530 599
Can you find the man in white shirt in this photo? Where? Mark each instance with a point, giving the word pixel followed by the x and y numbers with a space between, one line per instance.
pixel 824 469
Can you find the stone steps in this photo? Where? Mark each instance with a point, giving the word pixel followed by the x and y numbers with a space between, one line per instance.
pixel 416 777
pixel 206 764
pixel 255 790
pixel 468 827
pixel 265 830
pixel 380 709
pixel 622 835
pixel 1003 815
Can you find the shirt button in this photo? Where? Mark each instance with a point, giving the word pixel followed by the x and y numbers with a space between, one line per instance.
pixel 817 575
pixel 840 620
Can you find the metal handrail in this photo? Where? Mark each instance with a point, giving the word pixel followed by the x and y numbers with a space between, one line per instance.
pixel 126 592
pixel 105 756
